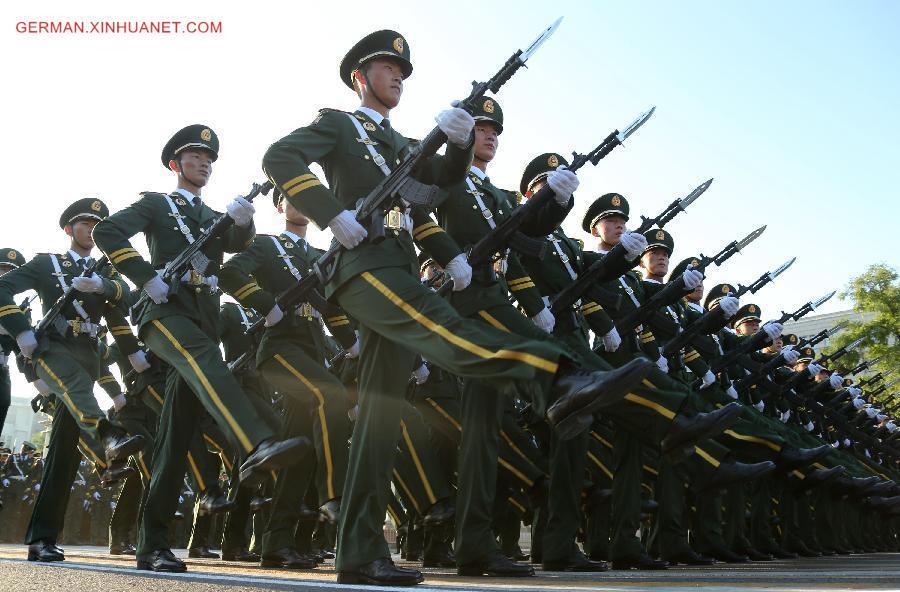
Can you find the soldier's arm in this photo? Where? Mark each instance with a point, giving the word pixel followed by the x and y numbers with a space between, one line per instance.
pixel 235 278
pixel 431 238
pixel 114 286
pixel 120 329
pixel 597 318
pixel 521 286
pixel 614 266
pixel 238 238
pixel 109 384
pixel 113 235
pixel 287 161
pixel 12 318
pixel 547 218
pixel 449 168
pixel 341 326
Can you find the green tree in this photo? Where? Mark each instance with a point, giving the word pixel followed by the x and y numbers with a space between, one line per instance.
pixel 875 294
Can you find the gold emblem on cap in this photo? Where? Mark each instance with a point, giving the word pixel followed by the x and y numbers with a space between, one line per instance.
pixel 726 289
pixel 206 134
pixel 553 161
pixel 96 206
pixel 751 309
pixel 660 235
pixel 11 255
pixel 488 106
pixel 695 263
pixel 369 126
pixel 398 44
pixel 615 201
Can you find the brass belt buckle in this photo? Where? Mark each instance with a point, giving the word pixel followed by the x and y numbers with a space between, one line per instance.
pixel 394 219
pixel 196 278
pixel 306 311
pixel 76 327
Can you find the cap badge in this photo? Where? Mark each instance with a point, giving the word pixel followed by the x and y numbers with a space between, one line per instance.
pixel 398 44
pixel 488 106
pixel 751 309
pixel 660 235
pixel 96 206
pixel 206 134
pixel 615 201
pixel 11 255
pixel 553 161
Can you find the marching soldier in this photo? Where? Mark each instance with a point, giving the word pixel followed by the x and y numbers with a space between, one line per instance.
pixel 9 259
pixel 67 361
pixel 181 330
pixel 377 283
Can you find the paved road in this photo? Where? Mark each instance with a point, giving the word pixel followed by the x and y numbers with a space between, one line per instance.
pixel 89 569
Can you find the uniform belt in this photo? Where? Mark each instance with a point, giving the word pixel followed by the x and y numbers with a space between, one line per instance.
pixel 78 328
pixel 399 220
pixel 307 312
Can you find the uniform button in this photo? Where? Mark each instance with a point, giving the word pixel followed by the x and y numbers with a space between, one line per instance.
pixel 474 207
pixel 366 156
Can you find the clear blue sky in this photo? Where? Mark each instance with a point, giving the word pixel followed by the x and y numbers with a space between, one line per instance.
pixel 791 106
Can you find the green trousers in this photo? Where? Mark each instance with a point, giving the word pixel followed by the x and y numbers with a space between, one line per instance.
pixel 397 314
pixel 5 392
pixel 197 382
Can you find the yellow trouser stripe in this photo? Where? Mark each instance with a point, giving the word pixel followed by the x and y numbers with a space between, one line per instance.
pixel 518 474
pixel 143 465
pixel 155 394
pixel 304 177
pixel 224 458
pixel 515 448
pixel 90 451
pixel 492 321
pixel 408 492
pixel 503 354
pixel 418 464
pixel 516 504
pixel 196 472
pixel 393 516
pixel 798 474
pixel 423 235
pixel 706 456
pixel 651 470
pixel 65 393
pixel 303 187
pixel 213 395
pixel 446 415
pixel 754 439
pixel 602 467
pixel 323 423
pixel 639 400
pixel 819 466
pixel 602 440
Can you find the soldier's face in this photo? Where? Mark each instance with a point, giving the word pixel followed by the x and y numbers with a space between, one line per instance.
pixel 696 295
pixel 656 261
pixel 747 327
pixel 486 141
pixel 80 231
pixel 195 166
pixel 610 229
pixel 386 78
pixel 292 214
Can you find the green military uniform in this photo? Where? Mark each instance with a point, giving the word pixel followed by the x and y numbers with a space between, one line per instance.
pixel 378 285
pixel 67 360
pixel 182 331
pixel 9 259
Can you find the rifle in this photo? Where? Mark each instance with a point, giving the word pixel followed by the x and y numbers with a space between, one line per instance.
pixel 193 259
pixel 675 289
pixel 715 316
pixel 401 184
pixel 53 318
pixel 562 305
pixel 777 361
pixel 862 366
pixel 835 355
pixel 760 339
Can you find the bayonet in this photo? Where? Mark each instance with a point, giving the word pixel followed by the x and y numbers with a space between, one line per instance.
pixel 539 41
pixel 634 125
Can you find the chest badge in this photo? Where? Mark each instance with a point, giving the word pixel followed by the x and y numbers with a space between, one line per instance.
pixel 180 202
pixel 67 264
pixel 369 126
pixel 288 245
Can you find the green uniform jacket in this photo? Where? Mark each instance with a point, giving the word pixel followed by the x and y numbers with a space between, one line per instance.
pixel 256 276
pixel 461 216
pixel 152 216
pixel 39 275
pixel 331 141
pixel 232 329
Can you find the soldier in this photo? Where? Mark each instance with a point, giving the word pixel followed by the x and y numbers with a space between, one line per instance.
pixel 376 283
pixel 181 331
pixel 67 360
pixel 9 259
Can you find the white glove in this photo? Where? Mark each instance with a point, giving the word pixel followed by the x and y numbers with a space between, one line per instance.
pixel 836 381
pixel 692 279
pixel 708 379
pixel 854 391
pixel 880 417
pixel 347 230
pixel 563 182
pixel 97 495
pixel 421 374
pixel 241 211
pixel 809 427
pixel 891 426
pixel 871 412
pixel 663 364
pixel 460 272
pixel 88 285
pixel 457 124
pixel 773 330
pixel 118 402
pixel 760 406
pixel 868 455
pixel 790 355
pixel 157 289
pixel 544 320
pixel 847 442
pixel 731 392
pixel 27 342
pixel 139 361
pixel 274 316
pixel 41 386
pixel 814 369
pixel 785 416
pixel 858 403
pixel 612 340
pixel 353 351
pixel 634 244
pixel 729 306
pixel 6 483
pixel 180 499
